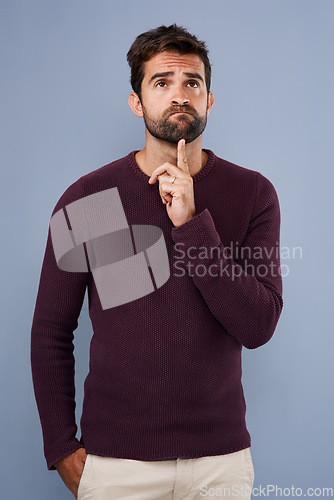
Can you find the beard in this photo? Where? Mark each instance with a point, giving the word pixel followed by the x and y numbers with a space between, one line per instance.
pixel 172 128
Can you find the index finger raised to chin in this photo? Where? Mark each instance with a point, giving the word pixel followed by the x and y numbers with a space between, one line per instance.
pixel 182 161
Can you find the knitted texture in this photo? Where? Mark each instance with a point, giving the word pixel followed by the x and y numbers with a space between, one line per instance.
pixel 165 369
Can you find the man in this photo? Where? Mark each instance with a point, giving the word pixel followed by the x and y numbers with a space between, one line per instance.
pixel 179 252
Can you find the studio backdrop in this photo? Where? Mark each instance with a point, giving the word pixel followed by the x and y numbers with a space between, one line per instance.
pixel 64 87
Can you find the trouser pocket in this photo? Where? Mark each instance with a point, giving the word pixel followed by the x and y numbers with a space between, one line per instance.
pixel 84 480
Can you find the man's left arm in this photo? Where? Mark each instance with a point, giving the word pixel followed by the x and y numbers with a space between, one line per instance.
pixel 244 295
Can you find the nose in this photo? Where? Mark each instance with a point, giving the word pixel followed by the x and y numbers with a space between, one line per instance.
pixel 179 97
pixel 180 101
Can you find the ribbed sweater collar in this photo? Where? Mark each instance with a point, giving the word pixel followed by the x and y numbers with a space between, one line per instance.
pixel 196 178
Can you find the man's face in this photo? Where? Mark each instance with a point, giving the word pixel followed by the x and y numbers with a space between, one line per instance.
pixel 175 102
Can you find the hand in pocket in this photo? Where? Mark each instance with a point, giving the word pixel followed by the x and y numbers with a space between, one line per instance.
pixel 70 469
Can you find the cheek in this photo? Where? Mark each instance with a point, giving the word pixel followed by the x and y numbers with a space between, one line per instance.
pixel 202 109
pixel 200 101
pixel 155 101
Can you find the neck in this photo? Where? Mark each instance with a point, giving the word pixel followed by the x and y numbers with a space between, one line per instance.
pixel 158 152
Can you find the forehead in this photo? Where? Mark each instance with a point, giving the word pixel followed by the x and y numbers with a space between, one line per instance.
pixel 171 61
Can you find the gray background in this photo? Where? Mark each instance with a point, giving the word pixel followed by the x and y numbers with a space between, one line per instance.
pixel 64 112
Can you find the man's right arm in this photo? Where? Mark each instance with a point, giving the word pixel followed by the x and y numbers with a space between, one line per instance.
pixel 59 301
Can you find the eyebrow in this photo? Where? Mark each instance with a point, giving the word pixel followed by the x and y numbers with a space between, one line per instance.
pixel 171 73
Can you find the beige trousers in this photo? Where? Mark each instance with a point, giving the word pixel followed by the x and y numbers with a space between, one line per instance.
pixel 230 476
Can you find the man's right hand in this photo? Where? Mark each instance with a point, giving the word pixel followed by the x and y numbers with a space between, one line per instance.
pixel 70 469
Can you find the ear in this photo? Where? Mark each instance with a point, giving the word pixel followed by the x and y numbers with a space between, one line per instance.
pixel 135 104
pixel 210 102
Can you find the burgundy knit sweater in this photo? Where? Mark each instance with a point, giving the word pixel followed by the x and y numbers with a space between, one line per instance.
pixel 165 368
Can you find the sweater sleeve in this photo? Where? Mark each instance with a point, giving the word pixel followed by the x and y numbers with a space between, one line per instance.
pixel 58 305
pixel 243 291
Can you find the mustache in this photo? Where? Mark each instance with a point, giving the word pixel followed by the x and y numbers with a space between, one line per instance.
pixel 181 109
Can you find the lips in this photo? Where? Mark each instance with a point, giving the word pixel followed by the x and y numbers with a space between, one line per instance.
pixel 180 113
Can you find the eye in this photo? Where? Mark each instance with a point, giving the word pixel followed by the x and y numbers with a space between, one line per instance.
pixel 193 83
pixel 160 84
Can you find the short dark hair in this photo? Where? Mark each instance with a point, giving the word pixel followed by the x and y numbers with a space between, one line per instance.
pixel 164 38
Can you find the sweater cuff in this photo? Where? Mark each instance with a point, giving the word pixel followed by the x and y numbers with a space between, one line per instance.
pixel 199 231
pixel 64 452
